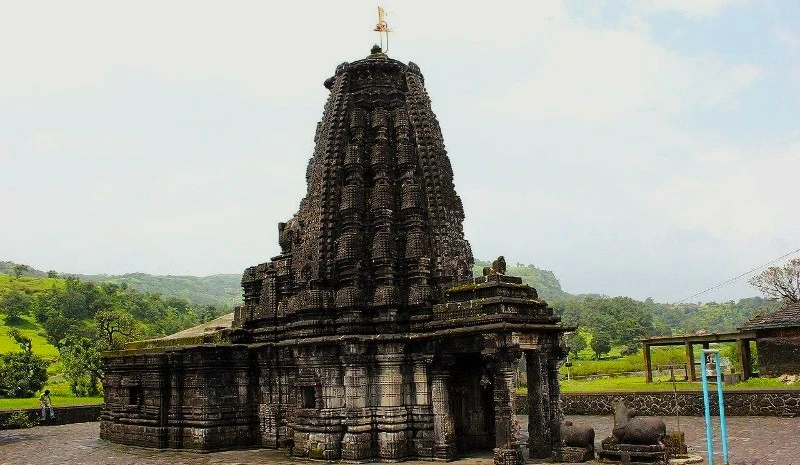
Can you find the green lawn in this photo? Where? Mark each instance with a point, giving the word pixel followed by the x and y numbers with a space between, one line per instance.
pixel 614 363
pixel 58 401
pixel 59 393
pixel 637 383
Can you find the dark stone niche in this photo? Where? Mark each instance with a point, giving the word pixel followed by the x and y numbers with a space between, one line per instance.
pixel 366 338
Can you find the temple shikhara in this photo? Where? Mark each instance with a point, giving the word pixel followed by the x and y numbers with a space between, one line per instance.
pixel 367 337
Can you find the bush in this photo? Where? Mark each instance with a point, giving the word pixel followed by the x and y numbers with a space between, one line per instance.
pixel 19 419
pixel 21 374
pixel 631 349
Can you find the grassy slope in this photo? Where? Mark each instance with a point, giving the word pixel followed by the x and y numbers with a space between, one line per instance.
pixel 31 285
pixel 28 326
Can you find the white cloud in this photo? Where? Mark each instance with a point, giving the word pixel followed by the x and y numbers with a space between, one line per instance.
pixel 173 137
pixel 735 195
pixel 791 39
pixel 695 8
pixel 596 75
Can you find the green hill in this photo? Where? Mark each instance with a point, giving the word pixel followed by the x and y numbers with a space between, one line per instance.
pixel 220 290
pixel 624 318
pixel 544 281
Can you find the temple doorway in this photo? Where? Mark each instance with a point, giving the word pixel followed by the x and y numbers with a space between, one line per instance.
pixel 471 404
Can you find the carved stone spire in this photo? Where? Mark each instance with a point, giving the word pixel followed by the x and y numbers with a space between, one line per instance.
pixel 381 226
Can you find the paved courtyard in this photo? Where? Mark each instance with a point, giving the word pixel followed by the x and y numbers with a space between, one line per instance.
pixel 752 441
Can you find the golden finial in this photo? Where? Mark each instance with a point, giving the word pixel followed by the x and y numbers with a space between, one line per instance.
pixel 383 29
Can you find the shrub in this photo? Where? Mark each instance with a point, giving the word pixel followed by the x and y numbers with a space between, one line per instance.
pixel 631 349
pixel 19 419
pixel 21 374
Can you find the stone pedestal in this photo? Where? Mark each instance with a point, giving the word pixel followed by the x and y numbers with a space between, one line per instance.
pixel 633 454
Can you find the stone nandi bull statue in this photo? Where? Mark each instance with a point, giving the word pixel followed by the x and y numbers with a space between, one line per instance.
pixel 630 430
pixel 577 442
pixel 635 440
pixel 498 267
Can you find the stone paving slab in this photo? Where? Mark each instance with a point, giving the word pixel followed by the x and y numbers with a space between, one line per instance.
pixel 752 441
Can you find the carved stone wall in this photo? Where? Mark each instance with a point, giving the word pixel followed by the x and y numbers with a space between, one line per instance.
pixel 199 398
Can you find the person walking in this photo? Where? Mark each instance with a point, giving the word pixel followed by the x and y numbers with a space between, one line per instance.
pixel 45 402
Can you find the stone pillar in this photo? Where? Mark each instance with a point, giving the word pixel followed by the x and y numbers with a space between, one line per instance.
pixel 542 394
pixel 269 405
pixel 535 413
pixel 392 416
pixel 443 429
pixel 421 417
pixel 553 433
pixel 690 361
pixel 507 433
pixel 648 371
pixel 357 439
pixel 329 440
pixel 422 395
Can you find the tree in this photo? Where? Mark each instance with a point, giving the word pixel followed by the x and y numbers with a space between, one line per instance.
pixel 21 374
pixel 780 281
pixel 82 368
pixel 15 305
pixel 576 343
pixel 52 274
pixel 208 313
pixel 19 269
pixel 601 344
pixel 111 323
pixel 57 328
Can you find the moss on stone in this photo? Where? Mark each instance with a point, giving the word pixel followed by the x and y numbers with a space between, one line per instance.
pixel 213 338
pixel 462 288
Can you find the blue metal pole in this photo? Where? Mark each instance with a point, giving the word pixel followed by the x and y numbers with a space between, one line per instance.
pixel 722 426
pixel 704 372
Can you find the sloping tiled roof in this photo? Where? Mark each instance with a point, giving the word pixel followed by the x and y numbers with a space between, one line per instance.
pixel 788 315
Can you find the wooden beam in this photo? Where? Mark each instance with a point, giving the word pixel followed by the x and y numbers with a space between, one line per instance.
pixel 648 374
pixel 744 358
pixel 690 360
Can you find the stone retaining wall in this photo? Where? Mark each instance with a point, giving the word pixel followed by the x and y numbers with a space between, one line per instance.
pixel 763 402
pixel 64 415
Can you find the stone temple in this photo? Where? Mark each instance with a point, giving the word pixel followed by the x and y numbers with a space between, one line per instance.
pixel 366 338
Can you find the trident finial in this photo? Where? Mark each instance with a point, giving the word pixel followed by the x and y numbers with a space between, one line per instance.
pixel 383 29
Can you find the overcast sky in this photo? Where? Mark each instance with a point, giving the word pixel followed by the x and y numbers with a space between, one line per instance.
pixel 643 148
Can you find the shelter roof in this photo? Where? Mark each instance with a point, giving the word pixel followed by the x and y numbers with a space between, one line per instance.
pixel 786 316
